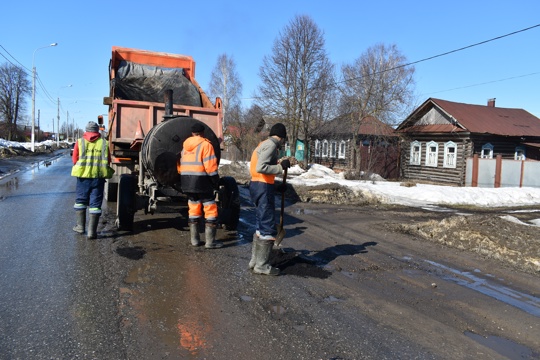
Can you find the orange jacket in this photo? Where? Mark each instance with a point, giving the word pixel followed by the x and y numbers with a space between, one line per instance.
pixel 263 166
pixel 198 166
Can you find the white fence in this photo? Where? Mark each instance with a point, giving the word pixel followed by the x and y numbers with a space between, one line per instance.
pixel 502 173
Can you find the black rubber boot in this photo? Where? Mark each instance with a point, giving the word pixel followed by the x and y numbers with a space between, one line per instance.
pixel 253 251
pixel 263 251
pixel 81 221
pixel 210 236
pixel 92 226
pixel 195 238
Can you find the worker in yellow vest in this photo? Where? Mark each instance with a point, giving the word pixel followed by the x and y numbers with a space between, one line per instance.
pixel 263 168
pixel 198 169
pixel 91 159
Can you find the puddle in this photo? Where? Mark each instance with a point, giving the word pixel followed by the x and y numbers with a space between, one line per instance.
pixel 278 309
pixel 331 299
pixel 246 298
pixel 528 303
pixel 137 275
pixel 308 211
pixel 349 274
pixel 505 347
pixel 192 336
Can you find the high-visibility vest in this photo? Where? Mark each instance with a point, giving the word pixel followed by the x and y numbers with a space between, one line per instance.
pixel 255 176
pixel 93 159
pixel 201 161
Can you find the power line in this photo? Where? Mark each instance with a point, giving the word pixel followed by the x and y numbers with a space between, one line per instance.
pixel 18 62
pixel 484 83
pixel 446 53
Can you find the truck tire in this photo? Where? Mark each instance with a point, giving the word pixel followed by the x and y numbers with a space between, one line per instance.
pixel 111 191
pixel 229 203
pixel 163 144
pixel 126 203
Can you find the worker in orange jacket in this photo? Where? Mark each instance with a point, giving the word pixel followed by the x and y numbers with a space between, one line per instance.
pixel 198 169
pixel 263 168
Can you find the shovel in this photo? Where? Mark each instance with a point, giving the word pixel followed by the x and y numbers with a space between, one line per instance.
pixel 281 231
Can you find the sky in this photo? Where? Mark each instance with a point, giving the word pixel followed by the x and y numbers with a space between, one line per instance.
pixel 76 70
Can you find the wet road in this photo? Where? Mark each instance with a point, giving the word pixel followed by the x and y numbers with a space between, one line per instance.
pixel 55 301
pixel 351 288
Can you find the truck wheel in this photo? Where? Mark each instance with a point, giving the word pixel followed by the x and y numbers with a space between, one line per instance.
pixel 126 205
pixel 229 203
pixel 111 190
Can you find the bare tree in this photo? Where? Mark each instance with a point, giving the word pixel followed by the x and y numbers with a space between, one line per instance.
pixel 14 87
pixel 245 132
pixel 225 83
pixel 377 84
pixel 296 79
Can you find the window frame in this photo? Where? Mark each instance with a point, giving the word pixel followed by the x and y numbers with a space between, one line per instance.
pixel 317 148
pixel 430 155
pixel 486 146
pixel 520 153
pixel 416 160
pixel 333 149
pixel 324 152
pixel 342 149
pixel 446 162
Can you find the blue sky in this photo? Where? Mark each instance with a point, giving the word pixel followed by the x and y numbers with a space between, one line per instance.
pixel 507 69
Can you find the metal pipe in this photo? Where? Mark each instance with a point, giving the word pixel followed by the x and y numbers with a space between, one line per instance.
pixel 168 104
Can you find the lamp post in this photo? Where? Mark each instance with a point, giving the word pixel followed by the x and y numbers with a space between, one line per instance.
pixel 34 93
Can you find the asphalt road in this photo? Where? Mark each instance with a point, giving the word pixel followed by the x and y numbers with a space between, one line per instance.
pixel 351 287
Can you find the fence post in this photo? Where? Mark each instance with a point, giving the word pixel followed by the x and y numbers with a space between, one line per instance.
pixel 474 176
pixel 522 173
pixel 498 168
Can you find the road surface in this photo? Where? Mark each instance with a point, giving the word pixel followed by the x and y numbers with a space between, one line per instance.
pixel 351 287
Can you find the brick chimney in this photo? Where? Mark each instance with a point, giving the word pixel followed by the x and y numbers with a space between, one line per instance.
pixel 491 102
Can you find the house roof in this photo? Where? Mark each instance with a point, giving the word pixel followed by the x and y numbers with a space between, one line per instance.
pixel 343 125
pixel 479 119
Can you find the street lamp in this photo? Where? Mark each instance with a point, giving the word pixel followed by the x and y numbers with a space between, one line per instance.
pixel 34 93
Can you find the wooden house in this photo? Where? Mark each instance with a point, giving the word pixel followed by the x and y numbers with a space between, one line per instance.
pixel 439 136
pixel 370 148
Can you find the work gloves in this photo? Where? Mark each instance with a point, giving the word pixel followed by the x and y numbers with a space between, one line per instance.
pixel 285 164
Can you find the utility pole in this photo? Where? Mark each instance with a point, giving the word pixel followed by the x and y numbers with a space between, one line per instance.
pixel 58 123
pixel 38 125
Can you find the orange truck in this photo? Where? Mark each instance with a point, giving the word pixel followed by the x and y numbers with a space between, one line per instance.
pixel 153 101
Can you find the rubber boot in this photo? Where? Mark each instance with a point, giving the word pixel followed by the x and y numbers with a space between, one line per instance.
pixel 254 244
pixel 194 233
pixel 92 226
pixel 81 221
pixel 210 236
pixel 262 257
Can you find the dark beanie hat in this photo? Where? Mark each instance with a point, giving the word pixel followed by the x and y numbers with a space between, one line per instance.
pixel 279 130
pixel 197 128
pixel 92 127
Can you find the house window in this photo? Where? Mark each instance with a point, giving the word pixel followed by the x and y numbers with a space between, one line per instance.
pixel 487 151
pixel 333 148
pixel 317 148
pixel 325 148
pixel 432 152
pixel 450 152
pixel 416 152
pixel 342 146
pixel 520 153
